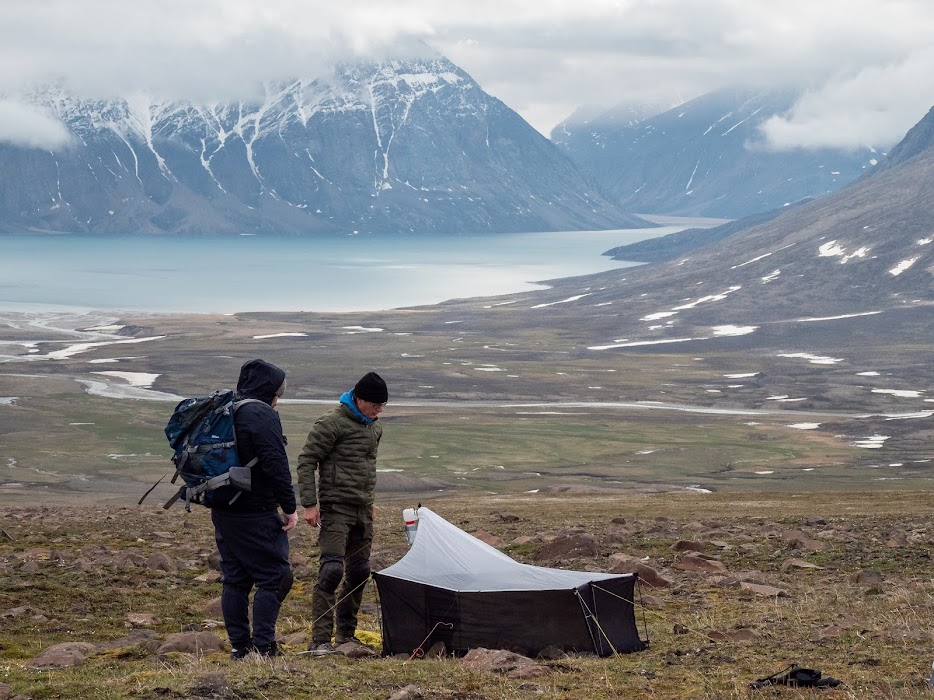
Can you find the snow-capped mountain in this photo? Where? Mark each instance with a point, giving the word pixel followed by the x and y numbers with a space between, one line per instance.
pixel 706 157
pixel 381 147
pixel 866 251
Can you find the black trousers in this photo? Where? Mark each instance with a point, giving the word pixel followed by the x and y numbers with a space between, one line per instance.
pixel 254 552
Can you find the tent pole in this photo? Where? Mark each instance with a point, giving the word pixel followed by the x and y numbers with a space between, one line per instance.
pixel 596 622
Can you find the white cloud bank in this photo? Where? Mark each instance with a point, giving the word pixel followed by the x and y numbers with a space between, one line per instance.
pixel 864 62
pixel 874 107
pixel 23 125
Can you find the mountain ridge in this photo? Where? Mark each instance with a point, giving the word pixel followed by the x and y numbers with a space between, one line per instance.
pixel 707 157
pixel 410 146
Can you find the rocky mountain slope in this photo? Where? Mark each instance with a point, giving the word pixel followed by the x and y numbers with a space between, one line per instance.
pixel 393 146
pixel 706 157
pixel 868 248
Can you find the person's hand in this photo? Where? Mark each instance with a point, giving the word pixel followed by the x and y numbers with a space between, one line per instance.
pixel 373 511
pixel 313 516
pixel 289 521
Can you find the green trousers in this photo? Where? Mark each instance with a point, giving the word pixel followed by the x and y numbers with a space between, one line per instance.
pixel 345 541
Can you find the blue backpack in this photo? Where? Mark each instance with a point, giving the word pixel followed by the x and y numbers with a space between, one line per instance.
pixel 201 431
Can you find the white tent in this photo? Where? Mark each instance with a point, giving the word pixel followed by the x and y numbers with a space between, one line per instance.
pixel 454 588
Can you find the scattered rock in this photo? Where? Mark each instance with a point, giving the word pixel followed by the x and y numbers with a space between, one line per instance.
pixel 725 581
pixel 37 554
pixel 160 561
pixel 508 663
pixel 652 602
pixel 296 639
pixel 213 608
pixel 16 612
pixel 409 692
pixel 689 546
pixel 214 560
pixel 142 620
pixel 507 517
pixel 66 655
pixel 700 564
pixel 760 589
pixel 148 639
pixel 5 691
pixel 552 653
pixel 582 545
pixel 680 629
pixel 799 540
pixel 192 643
pixel 208 577
pixel 618 521
pixel 740 635
pixel 130 560
pixel 897 539
pixel 355 650
pixel 798 564
pixel 487 537
pixel 646 573
pixel 526 539
pixel 867 577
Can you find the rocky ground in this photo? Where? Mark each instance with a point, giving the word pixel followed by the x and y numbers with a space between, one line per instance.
pixel 123 603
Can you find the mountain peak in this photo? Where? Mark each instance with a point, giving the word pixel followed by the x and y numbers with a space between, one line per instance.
pixel 919 138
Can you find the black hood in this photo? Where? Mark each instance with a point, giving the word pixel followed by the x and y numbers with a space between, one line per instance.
pixel 260 380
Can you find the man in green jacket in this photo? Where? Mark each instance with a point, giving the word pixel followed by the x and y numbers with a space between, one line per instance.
pixel 341 448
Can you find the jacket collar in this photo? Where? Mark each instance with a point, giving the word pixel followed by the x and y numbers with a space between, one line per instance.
pixel 347 400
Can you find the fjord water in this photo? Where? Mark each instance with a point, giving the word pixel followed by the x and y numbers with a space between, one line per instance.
pixel 266 273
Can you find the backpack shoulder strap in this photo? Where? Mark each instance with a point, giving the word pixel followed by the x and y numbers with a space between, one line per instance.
pixel 238 404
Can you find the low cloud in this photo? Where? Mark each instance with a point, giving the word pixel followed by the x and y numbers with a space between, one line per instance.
pixel 864 63
pixel 875 107
pixel 25 125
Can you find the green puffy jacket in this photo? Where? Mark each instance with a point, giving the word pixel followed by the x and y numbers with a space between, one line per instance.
pixel 342 449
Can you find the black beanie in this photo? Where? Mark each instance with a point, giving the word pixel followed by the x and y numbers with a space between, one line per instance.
pixel 371 388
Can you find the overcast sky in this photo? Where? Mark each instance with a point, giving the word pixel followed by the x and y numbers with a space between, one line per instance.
pixel 867 64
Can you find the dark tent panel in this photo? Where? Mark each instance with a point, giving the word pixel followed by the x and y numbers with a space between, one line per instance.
pixel 453 588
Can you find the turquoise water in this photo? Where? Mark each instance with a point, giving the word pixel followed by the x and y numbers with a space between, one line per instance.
pixel 259 273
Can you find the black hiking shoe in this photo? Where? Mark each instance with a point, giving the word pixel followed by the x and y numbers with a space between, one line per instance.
pixel 236 654
pixel 321 649
pixel 269 650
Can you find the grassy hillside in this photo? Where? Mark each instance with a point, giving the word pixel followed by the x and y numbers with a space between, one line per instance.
pixel 84 574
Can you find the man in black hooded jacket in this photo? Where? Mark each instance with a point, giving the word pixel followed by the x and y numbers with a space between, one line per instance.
pixel 250 532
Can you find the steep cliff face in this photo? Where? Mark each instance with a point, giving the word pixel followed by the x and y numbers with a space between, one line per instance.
pixel 381 147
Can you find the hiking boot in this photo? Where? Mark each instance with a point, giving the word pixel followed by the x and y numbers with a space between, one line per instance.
pixel 270 650
pixel 242 652
pixel 321 649
pixel 346 639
